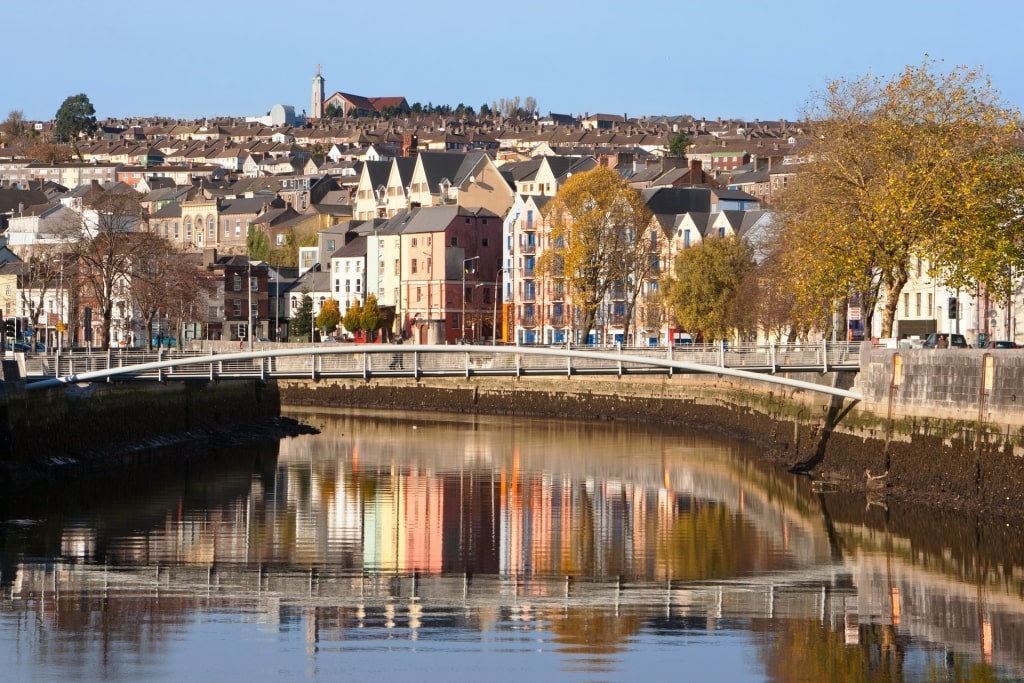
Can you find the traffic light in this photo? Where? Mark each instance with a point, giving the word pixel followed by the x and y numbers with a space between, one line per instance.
pixel 9 329
pixel 952 306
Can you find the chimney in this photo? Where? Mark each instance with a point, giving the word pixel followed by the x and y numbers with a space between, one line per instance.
pixel 209 256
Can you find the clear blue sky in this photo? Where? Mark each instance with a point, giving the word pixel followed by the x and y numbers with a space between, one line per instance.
pixel 742 59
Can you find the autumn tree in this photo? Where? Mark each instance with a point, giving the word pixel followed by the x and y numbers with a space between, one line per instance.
pixel 639 265
pixel 107 246
pixel 353 317
pixel 897 169
pixel 596 221
pixel 16 134
pixel 371 316
pixel 39 280
pixel 76 117
pixel 49 153
pixel 704 289
pixel 168 284
pixel 329 316
pixel 257 244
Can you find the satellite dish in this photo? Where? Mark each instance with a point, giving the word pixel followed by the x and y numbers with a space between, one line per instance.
pixel 472 178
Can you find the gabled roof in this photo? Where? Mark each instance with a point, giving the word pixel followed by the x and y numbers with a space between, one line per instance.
pixel 378 172
pixel 674 200
pixel 10 200
pixel 243 206
pixel 354 249
pixel 440 165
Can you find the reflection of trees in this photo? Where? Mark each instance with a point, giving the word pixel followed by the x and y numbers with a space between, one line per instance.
pixel 705 541
pixel 809 650
pixel 592 630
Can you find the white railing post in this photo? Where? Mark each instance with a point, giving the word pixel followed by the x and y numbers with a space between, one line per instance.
pixel 824 355
pixel 771 357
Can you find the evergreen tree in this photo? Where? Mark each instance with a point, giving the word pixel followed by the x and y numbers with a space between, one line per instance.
pixel 299 325
pixel 75 117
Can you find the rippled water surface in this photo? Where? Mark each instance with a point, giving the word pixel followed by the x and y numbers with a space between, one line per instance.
pixel 459 548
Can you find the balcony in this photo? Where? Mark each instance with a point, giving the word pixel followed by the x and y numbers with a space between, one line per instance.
pixel 527 248
pixel 528 321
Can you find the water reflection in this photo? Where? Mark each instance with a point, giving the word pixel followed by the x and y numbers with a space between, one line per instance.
pixel 447 547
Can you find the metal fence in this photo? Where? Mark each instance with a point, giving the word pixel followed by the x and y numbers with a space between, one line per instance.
pixel 366 360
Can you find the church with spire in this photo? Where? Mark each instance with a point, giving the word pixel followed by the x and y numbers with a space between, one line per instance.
pixel 349 104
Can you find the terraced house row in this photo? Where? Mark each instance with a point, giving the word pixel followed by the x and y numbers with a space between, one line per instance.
pixel 446 239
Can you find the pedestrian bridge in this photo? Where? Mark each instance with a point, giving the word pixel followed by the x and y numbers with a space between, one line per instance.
pixel 375 361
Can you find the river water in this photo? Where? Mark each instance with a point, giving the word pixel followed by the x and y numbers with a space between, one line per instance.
pixel 457 548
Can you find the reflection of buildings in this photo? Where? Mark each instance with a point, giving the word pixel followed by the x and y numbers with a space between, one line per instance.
pixel 369 529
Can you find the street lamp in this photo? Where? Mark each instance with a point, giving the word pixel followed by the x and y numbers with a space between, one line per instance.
pixel 462 321
pixel 60 305
pixel 248 327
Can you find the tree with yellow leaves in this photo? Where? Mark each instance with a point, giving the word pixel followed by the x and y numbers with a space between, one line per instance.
pixel 914 166
pixel 597 242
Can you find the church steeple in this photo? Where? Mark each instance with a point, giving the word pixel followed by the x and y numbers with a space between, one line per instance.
pixel 317 103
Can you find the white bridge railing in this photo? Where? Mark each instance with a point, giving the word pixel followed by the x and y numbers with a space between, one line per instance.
pixel 369 361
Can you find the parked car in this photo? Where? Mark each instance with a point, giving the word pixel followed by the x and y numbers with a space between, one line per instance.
pixel 955 341
pixel 1002 344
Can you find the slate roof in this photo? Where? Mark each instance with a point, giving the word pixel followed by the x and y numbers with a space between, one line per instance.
pixel 675 200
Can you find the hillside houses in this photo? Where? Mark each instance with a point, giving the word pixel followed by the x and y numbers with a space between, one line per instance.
pixel 393 195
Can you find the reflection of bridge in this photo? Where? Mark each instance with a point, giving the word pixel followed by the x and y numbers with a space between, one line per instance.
pixel 847 598
pixel 375 361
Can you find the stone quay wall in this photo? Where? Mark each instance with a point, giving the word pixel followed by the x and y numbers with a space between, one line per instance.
pixel 94 424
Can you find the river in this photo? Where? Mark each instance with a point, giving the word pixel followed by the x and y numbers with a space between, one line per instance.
pixel 445 547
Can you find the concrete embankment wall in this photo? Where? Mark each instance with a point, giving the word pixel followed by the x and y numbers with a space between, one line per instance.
pixel 940 433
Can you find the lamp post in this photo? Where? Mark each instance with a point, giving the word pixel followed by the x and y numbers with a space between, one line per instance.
pixel 248 327
pixel 60 305
pixel 462 320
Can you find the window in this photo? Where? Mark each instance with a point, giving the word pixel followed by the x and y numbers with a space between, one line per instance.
pixel 455 240
pixel 236 283
pixel 280 240
pixel 455 321
pixel 484 242
pixel 419 294
pixel 721 231
pixel 238 308
pixel 468 294
pixel 227 228
pixel 931 304
pixel 254 284
pixel 413 267
pixel 188 229
pixel 906 304
pixel 398 270
pixel 330 245
pixel 917 303
pixel 686 238
pixel 359 286
pixel 337 285
pixel 414 241
pixel 529 220
pixel 238 227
